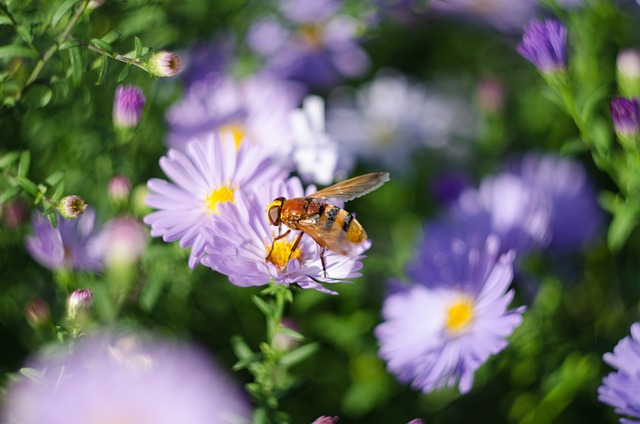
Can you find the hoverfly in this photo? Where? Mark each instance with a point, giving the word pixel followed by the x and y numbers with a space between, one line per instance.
pixel 328 225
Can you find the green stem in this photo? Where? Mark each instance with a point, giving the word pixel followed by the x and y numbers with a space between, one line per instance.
pixel 53 49
pixel 119 57
pixel 16 27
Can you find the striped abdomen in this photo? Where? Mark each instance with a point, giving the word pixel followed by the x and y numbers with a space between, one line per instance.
pixel 331 216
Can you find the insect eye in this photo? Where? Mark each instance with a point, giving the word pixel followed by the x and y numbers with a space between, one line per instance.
pixel 274 215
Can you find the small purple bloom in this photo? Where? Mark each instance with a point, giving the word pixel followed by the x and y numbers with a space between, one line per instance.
pixel 118 188
pixel 240 238
pixel 620 389
pixel 71 245
pixel 437 332
pixel 626 116
pixel 124 378
pixel 208 173
pixel 544 45
pixel 124 239
pixel 127 106
pixel 79 302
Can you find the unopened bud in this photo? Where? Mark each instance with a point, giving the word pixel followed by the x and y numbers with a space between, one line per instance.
pixel 71 207
pixel 165 64
pixel 79 302
pixel 94 4
pixel 628 72
pixel 127 106
pixel 325 419
pixel 490 95
pixel 37 312
pixel 118 188
pixel 626 120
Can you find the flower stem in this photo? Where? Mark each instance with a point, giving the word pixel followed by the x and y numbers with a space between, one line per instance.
pixel 122 58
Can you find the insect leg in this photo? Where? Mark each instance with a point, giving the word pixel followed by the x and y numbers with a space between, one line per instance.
pixel 295 245
pixel 273 243
pixel 324 264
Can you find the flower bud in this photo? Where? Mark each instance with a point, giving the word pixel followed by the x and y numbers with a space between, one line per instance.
pixel 165 64
pixel 284 342
pixel 127 106
pixel 118 189
pixel 325 419
pixel 628 72
pixel 125 240
pixel 544 45
pixel 71 207
pixel 79 302
pixel 626 120
pixel 37 312
pixel 490 95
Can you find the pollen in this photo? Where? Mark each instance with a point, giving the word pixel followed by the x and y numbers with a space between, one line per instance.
pixel 459 315
pixel 282 254
pixel 219 195
pixel 237 131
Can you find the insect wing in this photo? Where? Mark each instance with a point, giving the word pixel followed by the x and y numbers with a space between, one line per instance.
pixel 333 238
pixel 353 187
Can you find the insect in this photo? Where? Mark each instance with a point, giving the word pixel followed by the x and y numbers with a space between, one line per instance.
pixel 328 225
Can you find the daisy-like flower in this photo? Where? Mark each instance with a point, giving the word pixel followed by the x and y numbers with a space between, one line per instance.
pixel 317 45
pixel 544 44
pixel 437 332
pixel 390 118
pixel 620 389
pixel 316 153
pixel 253 110
pixel 208 173
pixel 125 379
pixel 71 245
pixel 240 244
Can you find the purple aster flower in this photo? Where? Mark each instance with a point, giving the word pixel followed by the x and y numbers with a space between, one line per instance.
pixel 437 332
pixel 504 15
pixel 575 215
pixel 620 389
pixel 544 45
pixel 255 109
pixel 127 106
pixel 125 378
pixel 390 117
pixel 71 245
pixel 240 238
pixel 208 173
pixel 317 46
pixel 626 116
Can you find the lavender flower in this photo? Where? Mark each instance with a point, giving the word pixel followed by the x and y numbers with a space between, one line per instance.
pixel 321 48
pixel 437 332
pixel 391 117
pixel 316 153
pixel 165 64
pixel 207 174
pixel 620 389
pixel 255 110
pixel 626 117
pixel 71 245
pixel 240 238
pixel 544 45
pixel 127 106
pixel 124 240
pixel 125 378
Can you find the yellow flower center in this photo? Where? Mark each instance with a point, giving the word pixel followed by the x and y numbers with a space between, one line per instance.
pixel 219 195
pixel 282 253
pixel 236 130
pixel 460 315
pixel 312 35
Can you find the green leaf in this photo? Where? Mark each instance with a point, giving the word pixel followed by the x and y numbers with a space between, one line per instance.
pixel 57 195
pixel 53 218
pixel 300 354
pixel 28 186
pixel 10 193
pixel 71 42
pixel 111 36
pixel 8 158
pixel 247 362
pixel 104 46
pixel 54 178
pixel 62 10
pixel 291 333
pixel 151 293
pixel 32 373
pixel 77 65
pixel 125 73
pixel 12 50
pixel 264 307
pixel 608 200
pixel 25 34
pixel 573 147
pixel 138 48
pixel 241 348
pixel 104 69
pixel 4 20
pixel 25 162
pixel 624 220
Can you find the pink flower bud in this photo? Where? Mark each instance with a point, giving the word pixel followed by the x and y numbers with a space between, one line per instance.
pixel 165 64
pixel 71 207
pixel 127 106
pixel 118 188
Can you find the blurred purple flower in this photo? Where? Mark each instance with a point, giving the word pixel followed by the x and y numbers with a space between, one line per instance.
pixel 447 187
pixel 504 15
pixel 437 332
pixel 620 389
pixel 71 245
pixel 256 110
pixel 208 60
pixel 325 419
pixel 125 378
pixel 626 116
pixel 319 50
pixel 575 215
pixel 208 173
pixel 124 240
pixel 118 188
pixel 127 106
pixel 390 117
pixel 544 45
pixel 240 238
pixel 316 154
